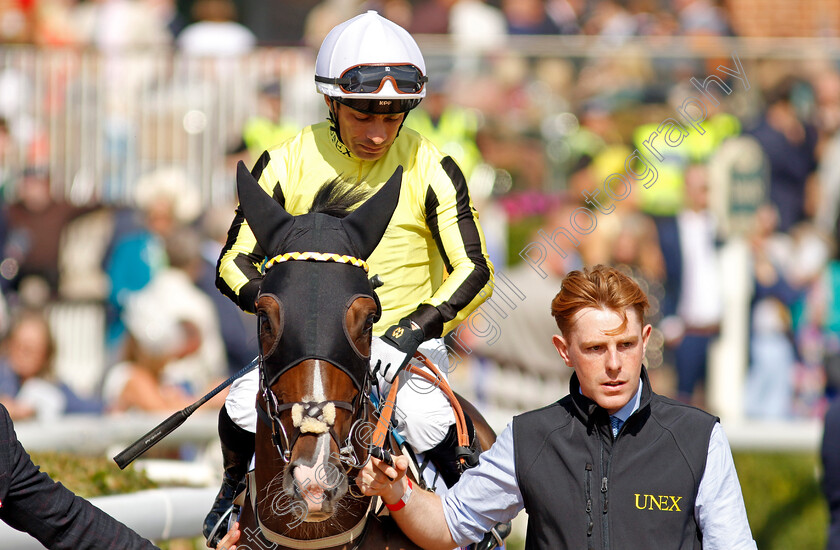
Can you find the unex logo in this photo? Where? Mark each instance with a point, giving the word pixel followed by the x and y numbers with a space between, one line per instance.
pixel 659 502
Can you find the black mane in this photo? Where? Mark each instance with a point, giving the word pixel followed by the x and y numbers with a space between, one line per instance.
pixel 337 197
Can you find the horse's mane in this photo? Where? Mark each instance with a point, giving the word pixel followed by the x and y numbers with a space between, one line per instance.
pixel 336 197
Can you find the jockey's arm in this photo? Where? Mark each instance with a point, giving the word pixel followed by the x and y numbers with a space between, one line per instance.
pixel 422 518
pixel 456 231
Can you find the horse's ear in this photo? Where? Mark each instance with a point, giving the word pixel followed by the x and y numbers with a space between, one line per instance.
pixel 268 220
pixel 367 223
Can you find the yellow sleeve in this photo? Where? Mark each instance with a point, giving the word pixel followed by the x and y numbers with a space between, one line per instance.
pixel 453 222
pixel 239 269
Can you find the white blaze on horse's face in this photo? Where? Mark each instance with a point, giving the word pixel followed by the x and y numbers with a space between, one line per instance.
pixel 313 481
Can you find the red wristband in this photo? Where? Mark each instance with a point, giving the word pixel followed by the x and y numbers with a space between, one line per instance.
pixel 403 501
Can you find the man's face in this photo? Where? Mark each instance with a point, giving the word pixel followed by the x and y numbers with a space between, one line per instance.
pixel 608 366
pixel 367 136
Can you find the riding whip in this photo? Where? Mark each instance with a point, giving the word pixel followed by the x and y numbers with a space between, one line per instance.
pixel 169 425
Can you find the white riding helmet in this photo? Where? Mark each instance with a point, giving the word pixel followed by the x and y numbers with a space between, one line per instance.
pixel 371 64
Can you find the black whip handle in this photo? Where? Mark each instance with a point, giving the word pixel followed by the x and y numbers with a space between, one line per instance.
pixel 127 456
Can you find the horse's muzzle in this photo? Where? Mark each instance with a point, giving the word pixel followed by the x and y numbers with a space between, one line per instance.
pixel 316 488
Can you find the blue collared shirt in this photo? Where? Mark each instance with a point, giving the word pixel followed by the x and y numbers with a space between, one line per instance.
pixel 488 494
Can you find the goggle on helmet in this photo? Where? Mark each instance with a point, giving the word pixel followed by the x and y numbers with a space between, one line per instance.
pixel 372 65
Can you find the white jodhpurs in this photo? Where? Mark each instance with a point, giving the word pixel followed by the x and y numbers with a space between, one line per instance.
pixel 423 413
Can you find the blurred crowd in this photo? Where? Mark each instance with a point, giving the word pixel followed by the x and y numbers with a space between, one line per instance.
pixel 110 24
pixel 168 335
pixel 754 197
pixel 534 133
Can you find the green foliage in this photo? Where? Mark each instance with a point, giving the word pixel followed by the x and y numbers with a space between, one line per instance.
pixel 91 476
pixel 784 502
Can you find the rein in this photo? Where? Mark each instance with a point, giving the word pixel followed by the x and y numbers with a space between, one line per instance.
pixel 383 425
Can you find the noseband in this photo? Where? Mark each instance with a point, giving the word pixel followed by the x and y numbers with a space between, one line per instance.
pixel 312 417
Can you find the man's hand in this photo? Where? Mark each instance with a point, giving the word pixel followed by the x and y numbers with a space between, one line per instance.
pixel 389 482
pixel 396 348
pixel 425 524
pixel 229 541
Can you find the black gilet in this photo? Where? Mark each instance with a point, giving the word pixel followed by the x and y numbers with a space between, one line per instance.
pixel 584 490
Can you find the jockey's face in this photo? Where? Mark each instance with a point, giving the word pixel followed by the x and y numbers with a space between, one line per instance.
pixel 367 136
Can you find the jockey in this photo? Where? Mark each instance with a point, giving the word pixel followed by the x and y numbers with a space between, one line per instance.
pixel 432 260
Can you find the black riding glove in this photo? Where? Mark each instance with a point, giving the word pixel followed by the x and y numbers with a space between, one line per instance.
pixel 403 340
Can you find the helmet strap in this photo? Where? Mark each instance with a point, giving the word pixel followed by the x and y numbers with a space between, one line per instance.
pixel 334 126
pixel 401 124
pixel 334 120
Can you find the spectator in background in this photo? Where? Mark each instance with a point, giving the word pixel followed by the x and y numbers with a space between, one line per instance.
pixel 270 125
pixel 323 17
pixel 790 145
pixel 35 223
pixel 330 13
pixel 827 96
pixel 702 18
pixel 216 32
pixel 179 298
pixel 154 340
pixel 769 384
pixel 566 14
pixel 279 23
pixel 112 26
pixel 693 304
pixel 528 17
pixel 15 23
pixel 9 150
pixel 612 21
pixel 518 306
pixel 451 127
pixel 830 455
pixel 830 286
pixel 27 386
pixel 166 201
pixel 637 254
pixel 431 17
pixel 167 12
pixel 806 266
pixel 476 26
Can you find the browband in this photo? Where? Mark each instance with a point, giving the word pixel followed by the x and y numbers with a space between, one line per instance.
pixel 317 257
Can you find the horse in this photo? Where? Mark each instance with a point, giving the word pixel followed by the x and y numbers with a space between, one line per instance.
pixel 315 314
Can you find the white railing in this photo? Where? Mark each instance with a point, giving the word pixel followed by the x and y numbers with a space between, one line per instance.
pixel 158 515
pixel 100 121
pixel 96 435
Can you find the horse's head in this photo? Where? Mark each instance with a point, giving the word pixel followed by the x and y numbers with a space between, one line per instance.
pixel 315 311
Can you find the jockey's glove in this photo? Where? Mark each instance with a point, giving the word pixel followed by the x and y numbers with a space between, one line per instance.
pixel 401 341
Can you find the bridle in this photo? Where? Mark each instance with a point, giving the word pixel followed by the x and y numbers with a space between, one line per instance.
pixel 317 411
pixel 284 444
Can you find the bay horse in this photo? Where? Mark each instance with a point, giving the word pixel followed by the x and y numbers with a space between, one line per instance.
pixel 315 313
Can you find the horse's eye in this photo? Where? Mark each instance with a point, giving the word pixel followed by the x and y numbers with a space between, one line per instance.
pixel 262 322
pixel 369 323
